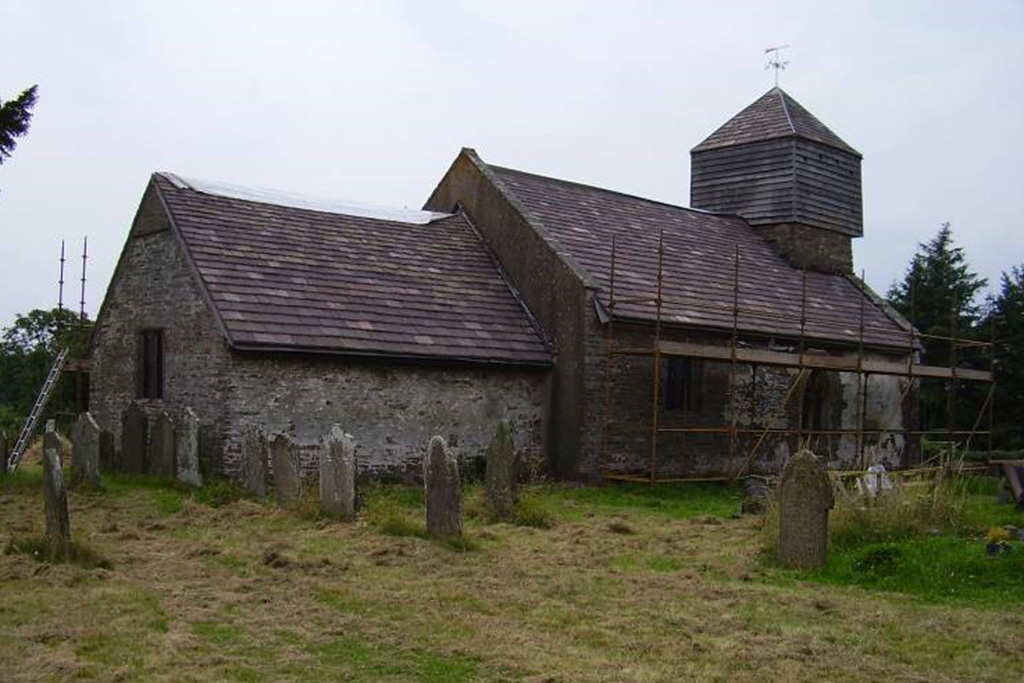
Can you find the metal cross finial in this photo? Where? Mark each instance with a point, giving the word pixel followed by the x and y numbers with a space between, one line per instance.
pixel 774 62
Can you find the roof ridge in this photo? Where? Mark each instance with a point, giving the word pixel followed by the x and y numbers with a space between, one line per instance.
pixel 302 202
pixel 785 109
pixel 617 193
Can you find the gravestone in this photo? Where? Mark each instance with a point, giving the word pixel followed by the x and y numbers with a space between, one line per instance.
pixel 85 453
pixel 443 489
pixel 756 494
pixel 338 474
pixel 55 503
pixel 108 453
pixel 254 462
pixel 134 439
pixel 186 445
pixel 502 471
pixel 52 440
pixel 161 447
pixel 284 456
pixel 805 497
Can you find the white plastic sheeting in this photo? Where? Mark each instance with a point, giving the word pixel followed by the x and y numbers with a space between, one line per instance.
pixel 874 482
pixel 299 201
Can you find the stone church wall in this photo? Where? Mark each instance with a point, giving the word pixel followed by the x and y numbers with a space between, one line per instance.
pixel 757 400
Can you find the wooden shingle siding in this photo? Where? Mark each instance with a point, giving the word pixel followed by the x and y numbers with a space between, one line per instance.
pixel 788 180
pixel 828 188
pixel 754 180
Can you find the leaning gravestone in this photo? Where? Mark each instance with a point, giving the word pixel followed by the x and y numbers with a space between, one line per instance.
pixel 51 439
pixel 502 471
pixel 85 453
pixel 805 497
pixel 284 455
pixel 443 489
pixel 134 437
pixel 55 501
pixel 186 445
pixel 254 462
pixel 107 451
pixel 161 447
pixel 338 474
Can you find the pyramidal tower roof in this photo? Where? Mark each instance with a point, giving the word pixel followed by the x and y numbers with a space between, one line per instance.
pixel 774 115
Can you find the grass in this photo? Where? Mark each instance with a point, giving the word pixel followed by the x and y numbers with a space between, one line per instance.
pixel 40 550
pixel 379 662
pixel 936 569
pixel 922 541
pixel 676 501
pixel 225 589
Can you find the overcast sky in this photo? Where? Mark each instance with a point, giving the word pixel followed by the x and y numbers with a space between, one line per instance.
pixel 371 101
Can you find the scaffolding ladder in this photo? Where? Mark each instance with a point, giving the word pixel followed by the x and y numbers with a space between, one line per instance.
pixel 37 410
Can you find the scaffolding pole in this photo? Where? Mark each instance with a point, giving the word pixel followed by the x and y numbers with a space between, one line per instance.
pixel 802 362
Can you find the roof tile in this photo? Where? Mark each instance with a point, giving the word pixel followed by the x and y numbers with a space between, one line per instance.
pixel 774 115
pixel 296 278
pixel 699 265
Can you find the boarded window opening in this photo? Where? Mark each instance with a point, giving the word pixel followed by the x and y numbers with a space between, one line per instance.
pixel 816 408
pixel 151 364
pixel 683 387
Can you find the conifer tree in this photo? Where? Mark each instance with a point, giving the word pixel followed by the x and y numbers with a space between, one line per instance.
pixel 939 296
pixel 1006 316
pixel 943 292
pixel 15 116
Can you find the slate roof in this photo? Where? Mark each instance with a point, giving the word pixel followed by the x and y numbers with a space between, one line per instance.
pixel 288 278
pixel 699 250
pixel 774 115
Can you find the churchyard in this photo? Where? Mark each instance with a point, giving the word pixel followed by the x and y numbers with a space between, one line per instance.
pixel 169 582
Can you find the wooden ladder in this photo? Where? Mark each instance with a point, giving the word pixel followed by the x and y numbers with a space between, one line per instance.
pixel 37 410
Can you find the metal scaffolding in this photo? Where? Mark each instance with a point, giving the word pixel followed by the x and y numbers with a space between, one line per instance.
pixel 735 355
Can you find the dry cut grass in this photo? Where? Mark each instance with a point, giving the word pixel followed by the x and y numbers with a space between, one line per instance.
pixel 626 584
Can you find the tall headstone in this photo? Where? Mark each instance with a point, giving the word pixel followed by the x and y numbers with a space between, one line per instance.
pixel 254 462
pixel 284 455
pixel 134 440
pixel 502 471
pixel 804 499
pixel 338 474
pixel 51 439
pixel 108 453
pixel 85 453
pixel 55 503
pixel 443 489
pixel 186 445
pixel 161 447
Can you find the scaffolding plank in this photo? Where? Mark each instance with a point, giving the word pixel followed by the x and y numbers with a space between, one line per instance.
pixel 844 363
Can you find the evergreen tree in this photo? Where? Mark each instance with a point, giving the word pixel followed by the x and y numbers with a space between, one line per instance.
pixel 15 116
pixel 943 292
pixel 1006 316
pixel 939 296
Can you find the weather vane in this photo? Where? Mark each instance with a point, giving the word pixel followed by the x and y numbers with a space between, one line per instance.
pixel 775 61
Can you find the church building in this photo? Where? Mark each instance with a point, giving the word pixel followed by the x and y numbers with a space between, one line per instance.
pixel 623 337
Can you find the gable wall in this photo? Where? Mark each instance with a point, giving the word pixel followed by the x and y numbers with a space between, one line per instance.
pixel 153 287
pixel 551 289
